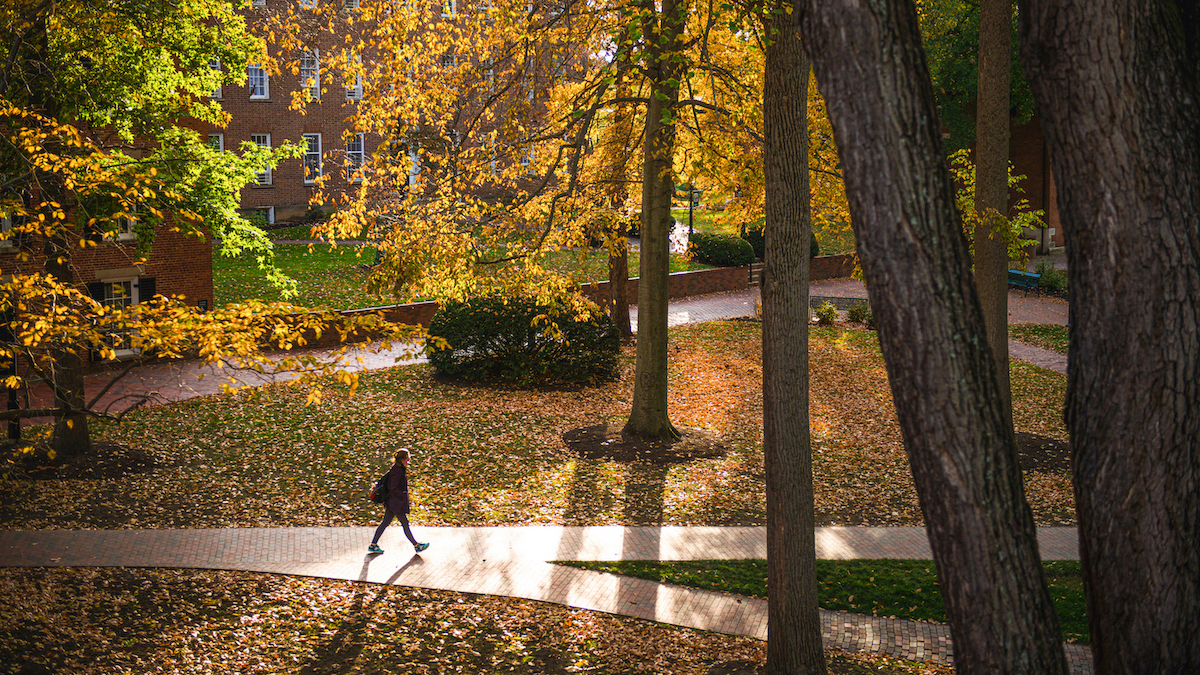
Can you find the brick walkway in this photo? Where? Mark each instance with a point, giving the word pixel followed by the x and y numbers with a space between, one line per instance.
pixel 513 562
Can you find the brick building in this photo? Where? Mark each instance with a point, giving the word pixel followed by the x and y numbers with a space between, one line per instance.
pixel 260 113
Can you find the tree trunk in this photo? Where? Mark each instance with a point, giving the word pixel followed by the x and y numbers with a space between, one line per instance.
pixel 871 69
pixel 71 434
pixel 991 179
pixel 1117 85
pixel 618 285
pixel 793 619
pixel 648 417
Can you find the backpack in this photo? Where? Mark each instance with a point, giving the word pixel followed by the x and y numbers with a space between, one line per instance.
pixel 379 491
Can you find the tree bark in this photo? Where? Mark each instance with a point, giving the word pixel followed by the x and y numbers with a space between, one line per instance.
pixel 991 178
pixel 872 72
pixel 663 32
pixel 1117 85
pixel 793 620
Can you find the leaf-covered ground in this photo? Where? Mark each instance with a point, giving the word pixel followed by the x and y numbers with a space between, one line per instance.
pixel 87 621
pixel 1045 335
pixel 494 456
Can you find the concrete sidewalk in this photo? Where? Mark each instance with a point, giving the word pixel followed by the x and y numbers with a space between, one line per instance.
pixel 514 562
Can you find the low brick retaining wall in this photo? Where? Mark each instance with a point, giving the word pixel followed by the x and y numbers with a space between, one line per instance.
pixel 831 267
pixel 679 285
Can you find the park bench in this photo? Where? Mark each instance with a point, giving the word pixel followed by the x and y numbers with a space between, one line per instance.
pixel 1026 280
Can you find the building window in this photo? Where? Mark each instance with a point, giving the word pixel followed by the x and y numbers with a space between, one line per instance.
pixel 527 160
pixel 6 226
pixel 355 158
pixel 119 295
pixel 448 7
pixel 352 4
pixel 125 226
pixel 258 3
pixel 354 92
pixel 218 92
pixel 262 141
pixel 257 82
pixel 312 158
pixel 264 215
pixel 310 73
pixel 217 142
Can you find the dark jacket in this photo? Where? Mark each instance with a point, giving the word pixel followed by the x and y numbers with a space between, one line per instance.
pixel 398 489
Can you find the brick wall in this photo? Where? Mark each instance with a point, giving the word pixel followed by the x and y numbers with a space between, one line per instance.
pixel 831 267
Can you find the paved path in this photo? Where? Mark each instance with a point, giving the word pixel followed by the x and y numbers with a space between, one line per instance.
pixel 180 380
pixel 513 562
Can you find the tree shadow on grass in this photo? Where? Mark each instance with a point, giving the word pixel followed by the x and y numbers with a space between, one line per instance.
pixel 340 653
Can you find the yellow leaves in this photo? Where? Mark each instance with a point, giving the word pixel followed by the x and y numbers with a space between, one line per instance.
pixel 314 397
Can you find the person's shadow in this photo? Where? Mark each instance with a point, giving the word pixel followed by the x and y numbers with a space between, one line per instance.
pixel 340 652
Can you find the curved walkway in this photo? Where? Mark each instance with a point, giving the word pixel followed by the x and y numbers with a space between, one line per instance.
pixel 513 562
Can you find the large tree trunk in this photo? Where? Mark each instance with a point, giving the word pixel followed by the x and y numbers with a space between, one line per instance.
pixel 991 178
pixel 648 417
pixel 1117 85
pixel 872 72
pixel 793 619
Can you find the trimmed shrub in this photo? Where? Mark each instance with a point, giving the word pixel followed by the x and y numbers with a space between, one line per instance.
pixel 1053 279
pixel 826 313
pixel 754 235
pixel 860 312
pixel 721 250
pixel 519 341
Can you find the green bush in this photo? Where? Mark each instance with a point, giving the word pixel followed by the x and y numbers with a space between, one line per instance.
pixel 1053 279
pixel 860 312
pixel 826 313
pixel 721 250
pixel 754 235
pixel 520 341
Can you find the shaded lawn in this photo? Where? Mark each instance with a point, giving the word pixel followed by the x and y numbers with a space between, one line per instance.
pixel 494 456
pixel 335 277
pixel 905 589
pixel 1045 335
pixel 203 621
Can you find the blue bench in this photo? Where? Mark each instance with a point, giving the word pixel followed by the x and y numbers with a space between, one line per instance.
pixel 1026 280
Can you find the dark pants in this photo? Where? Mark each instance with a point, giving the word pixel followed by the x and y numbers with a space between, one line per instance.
pixel 387 520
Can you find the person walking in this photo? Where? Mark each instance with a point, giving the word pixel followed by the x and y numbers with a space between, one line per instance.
pixel 397 504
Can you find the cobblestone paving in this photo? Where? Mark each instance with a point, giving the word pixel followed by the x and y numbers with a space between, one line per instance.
pixel 513 562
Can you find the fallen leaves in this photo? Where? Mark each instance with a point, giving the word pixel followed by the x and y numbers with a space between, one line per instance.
pixel 495 455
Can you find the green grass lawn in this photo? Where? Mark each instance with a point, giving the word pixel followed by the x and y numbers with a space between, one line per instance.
pixel 335 277
pixel 1044 335
pixel 906 589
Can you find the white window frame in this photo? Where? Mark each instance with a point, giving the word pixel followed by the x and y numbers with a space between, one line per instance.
pixel 449 8
pixel 527 160
pixel 355 91
pixel 356 159
pixel 310 72
pixel 219 92
pixel 414 166
pixel 312 158
pixel 255 72
pixel 125 227
pixel 262 141
pixel 112 299
pixel 258 3
pixel 217 142
pixel 267 211
pixel 352 4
